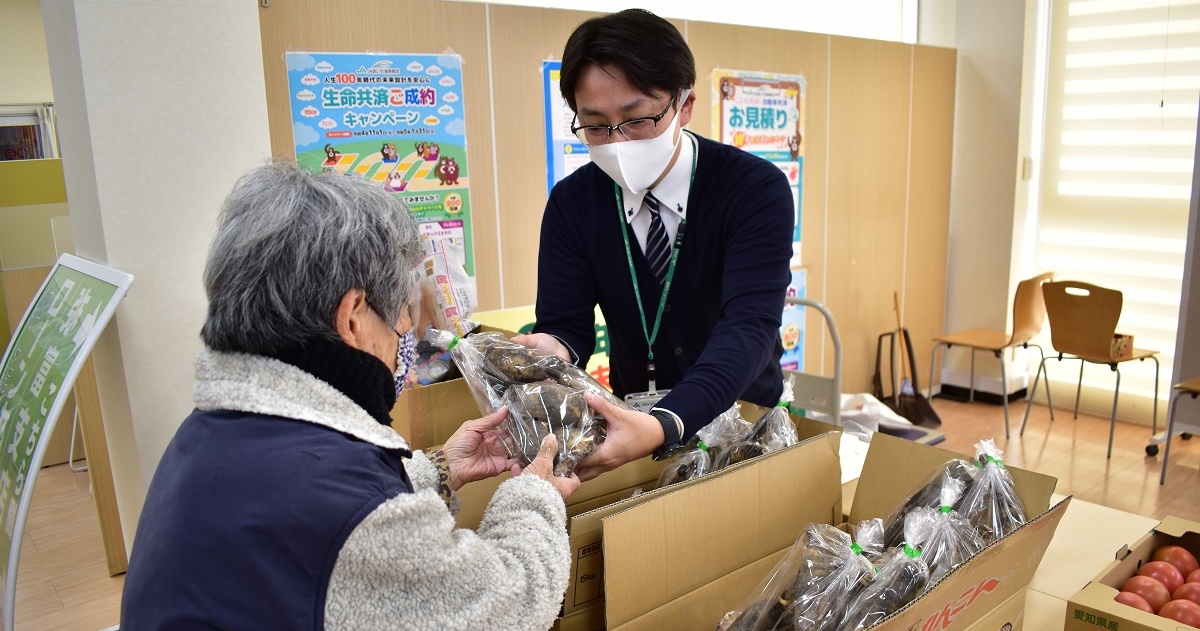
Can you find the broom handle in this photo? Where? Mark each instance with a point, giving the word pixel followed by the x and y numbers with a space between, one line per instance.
pixel 900 335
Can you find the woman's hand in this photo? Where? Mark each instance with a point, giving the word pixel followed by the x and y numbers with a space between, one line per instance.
pixel 475 452
pixel 631 435
pixel 546 343
pixel 543 467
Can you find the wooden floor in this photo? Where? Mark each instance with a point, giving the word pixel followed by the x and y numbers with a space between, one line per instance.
pixel 64 582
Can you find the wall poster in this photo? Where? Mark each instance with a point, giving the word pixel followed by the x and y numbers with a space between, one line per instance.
pixel 564 152
pixel 763 113
pixel 397 120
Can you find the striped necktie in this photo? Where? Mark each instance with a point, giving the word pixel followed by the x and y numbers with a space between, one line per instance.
pixel 658 246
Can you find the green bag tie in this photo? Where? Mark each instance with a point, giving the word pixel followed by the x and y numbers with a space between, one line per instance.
pixel 911 552
pixel 947 509
pixel 701 446
pixel 857 549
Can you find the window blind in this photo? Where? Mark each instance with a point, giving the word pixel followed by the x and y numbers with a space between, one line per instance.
pixel 1123 85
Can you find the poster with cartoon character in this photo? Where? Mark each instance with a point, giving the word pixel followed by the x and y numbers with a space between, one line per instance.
pixel 763 113
pixel 393 119
pixel 564 152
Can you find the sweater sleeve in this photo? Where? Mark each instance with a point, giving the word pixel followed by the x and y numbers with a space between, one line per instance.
pixel 757 252
pixel 566 298
pixel 407 566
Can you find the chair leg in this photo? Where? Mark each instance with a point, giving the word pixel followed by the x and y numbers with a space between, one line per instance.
pixel 1033 390
pixel 1154 419
pixel 1079 388
pixel 1029 400
pixel 1112 426
pixel 971 398
pixel 933 362
pixel 1004 392
pixel 1162 478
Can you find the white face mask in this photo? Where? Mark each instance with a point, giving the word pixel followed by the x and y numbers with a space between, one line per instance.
pixel 636 164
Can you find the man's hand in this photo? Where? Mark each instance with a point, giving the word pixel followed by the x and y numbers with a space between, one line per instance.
pixel 543 467
pixel 546 343
pixel 631 435
pixel 475 452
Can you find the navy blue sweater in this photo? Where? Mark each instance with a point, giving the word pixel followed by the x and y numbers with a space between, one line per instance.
pixel 719 339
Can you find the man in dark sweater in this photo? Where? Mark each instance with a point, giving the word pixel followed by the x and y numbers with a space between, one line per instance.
pixel 683 242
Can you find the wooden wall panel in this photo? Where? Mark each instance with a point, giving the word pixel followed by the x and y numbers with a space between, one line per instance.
pixel 868 153
pixel 397 26
pixel 521 39
pixel 732 47
pixel 930 161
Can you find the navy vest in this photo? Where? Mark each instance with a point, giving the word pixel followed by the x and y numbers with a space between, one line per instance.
pixel 244 520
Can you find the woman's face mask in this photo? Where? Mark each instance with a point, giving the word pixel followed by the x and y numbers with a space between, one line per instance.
pixel 406 356
pixel 636 164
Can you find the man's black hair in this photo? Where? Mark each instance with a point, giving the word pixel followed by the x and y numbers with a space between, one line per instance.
pixel 649 49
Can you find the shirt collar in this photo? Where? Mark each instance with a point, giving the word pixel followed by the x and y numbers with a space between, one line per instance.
pixel 672 192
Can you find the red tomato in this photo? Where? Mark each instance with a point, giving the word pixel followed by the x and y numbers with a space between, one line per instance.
pixel 1184 611
pixel 1187 591
pixel 1154 592
pixel 1179 557
pixel 1133 600
pixel 1164 573
pixel 1194 577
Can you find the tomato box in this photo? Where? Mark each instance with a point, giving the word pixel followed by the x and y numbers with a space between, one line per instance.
pixel 1093 608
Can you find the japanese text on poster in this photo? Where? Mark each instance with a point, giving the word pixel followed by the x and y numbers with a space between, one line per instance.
pixel 393 119
pixel 564 152
pixel 763 113
pixel 38 371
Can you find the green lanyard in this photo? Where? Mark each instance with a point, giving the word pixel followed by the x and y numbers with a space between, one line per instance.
pixel 649 334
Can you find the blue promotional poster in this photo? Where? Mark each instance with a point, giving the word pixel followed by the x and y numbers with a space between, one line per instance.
pixel 763 113
pixel 792 329
pixel 393 119
pixel 564 152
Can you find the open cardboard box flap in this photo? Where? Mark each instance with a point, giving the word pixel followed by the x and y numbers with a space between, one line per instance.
pixel 707 565
pixel 734 522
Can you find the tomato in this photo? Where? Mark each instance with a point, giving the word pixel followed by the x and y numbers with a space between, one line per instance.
pixel 1164 573
pixel 1184 611
pixel 1194 577
pixel 1154 592
pixel 1179 557
pixel 1187 591
pixel 1133 600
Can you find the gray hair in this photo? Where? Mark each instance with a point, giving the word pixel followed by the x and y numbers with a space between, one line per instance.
pixel 291 243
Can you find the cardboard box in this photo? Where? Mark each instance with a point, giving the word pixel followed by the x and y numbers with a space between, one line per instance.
pixel 1095 601
pixel 1122 346
pixel 676 563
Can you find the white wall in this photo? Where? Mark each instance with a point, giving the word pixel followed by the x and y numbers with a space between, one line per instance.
pixel 24 67
pixel 991 38
pixel 161 106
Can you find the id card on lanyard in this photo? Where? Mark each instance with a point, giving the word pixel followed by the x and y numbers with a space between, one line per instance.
pixel 645 401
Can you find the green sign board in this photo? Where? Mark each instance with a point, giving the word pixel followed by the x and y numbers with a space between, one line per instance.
pixel 39 368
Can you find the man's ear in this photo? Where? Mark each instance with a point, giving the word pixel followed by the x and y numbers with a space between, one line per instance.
pixel 685 110
pixel 349 319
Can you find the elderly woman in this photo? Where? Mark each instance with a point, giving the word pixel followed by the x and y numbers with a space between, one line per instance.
pixel 286 500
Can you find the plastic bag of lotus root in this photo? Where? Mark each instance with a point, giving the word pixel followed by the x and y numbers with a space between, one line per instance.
pixel 728 428
pixel 774 431
pixel 491 363
pixel 537 410
pixel 685 465
pixel 992 503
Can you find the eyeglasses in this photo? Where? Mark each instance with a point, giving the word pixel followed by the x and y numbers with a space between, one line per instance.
pixel 633 129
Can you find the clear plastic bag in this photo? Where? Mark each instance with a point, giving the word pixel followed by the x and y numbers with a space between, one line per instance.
pixel 536 410
pixel 991 503
pixel 687 464
pixel 928 495
pixel 945 537
pixel 901 578
pixel 821 600
pixel 774 431
pixel 809 585
pixel 491 363
pixel 724 430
